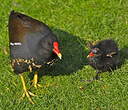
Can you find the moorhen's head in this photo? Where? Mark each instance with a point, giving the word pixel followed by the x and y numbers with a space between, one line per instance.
pixel 49 48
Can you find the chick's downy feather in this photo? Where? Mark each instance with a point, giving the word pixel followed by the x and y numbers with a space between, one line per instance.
pixel 105 55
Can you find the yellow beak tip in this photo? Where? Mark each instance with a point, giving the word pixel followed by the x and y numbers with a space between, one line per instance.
pixel 60 56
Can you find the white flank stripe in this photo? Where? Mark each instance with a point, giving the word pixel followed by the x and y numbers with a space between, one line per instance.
pixel 15 43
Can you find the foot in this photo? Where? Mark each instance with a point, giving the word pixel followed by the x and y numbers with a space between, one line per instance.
pixel 97 77
pixel 28 94
pixel 35 84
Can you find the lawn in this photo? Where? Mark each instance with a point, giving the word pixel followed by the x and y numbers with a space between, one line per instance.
pixel 75 22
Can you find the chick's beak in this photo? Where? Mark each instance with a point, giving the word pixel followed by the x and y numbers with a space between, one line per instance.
pixel 91 54
pixel 88 56
pixel 59 55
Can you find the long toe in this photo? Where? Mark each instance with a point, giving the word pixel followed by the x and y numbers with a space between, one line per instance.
pixel 35 84
pixel 28 94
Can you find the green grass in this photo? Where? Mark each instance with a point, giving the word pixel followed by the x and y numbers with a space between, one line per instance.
pixel 75 22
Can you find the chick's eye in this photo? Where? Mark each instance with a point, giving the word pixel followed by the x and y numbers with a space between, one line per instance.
pixel 94 51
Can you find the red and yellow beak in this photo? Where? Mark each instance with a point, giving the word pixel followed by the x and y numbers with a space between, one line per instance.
pixel 59 55
pixel 56 50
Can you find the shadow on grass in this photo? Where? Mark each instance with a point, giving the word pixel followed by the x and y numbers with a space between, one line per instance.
pixel 73 55
pixel 124 53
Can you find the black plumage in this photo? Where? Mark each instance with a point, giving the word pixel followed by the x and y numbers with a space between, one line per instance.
pixel 32 44
pixel 104 56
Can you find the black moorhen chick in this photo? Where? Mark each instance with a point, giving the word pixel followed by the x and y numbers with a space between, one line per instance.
pixel 104 56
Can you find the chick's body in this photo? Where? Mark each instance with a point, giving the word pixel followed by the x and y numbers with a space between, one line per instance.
pixel 105 56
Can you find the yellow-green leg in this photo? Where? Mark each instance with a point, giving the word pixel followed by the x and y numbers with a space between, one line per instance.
pixel 35 80
pixel 26 92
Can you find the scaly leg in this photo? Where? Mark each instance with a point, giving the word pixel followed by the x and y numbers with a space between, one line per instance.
pixel 26 92
pixel 35 80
